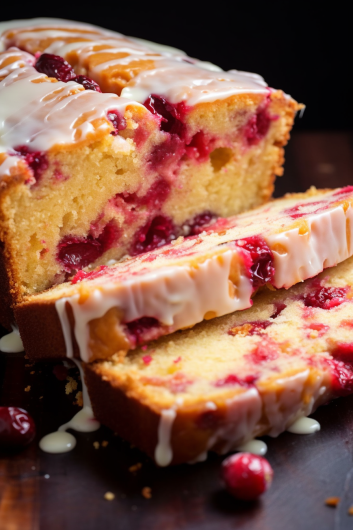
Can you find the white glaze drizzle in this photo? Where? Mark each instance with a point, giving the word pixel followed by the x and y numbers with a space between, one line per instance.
pixel 42 115
pixel 13 59
pixel 304 426
pixel 256 447
pixel 176 296
pixel 61 441
pixel 177 77
pixel 11 343
pixel 179 296
pixel 163 453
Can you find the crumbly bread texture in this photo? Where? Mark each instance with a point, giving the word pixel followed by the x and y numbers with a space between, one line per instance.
pixel 236 377
pixel 114 309
pixel 151 174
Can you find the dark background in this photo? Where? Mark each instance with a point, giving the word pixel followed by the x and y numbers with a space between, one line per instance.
pixel 302 49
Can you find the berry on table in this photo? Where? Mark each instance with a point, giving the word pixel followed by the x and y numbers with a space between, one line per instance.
pixel 17 428
pixel 246 476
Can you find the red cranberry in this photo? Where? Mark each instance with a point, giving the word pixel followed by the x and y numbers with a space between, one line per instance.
pixel 342 377
pixel 246 476
pixel 326 297
pixel 197 225
pixel 141 329
pixel 258 126
pixel 343 352
pixel 55 66
pixel 200 147
pixel 36 160
pixel 262 269
pixel 166 156
pixel 87 83
pixel 118 121
pixel 17 428
pixel 82 275
pixel 232 379
pixel 154 234
pixel 279 306
pixel 170 115
pixel 154 198
pixel 75 252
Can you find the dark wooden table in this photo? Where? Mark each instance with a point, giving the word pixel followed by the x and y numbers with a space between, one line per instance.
pixel 66 492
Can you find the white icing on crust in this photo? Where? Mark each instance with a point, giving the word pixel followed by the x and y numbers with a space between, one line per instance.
pixel 11 343
pixel 13 59
pixel 304 426
pixel 324 245
pixel 55 109
pixel 57 442
pixel 164 454
pixel 176 296
pixel 176 76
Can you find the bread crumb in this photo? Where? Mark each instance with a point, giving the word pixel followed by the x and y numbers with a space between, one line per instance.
pixel 109 496
pixel 105 443
pixel 32 372
pixel 350 510
pixel 146 492
pixel 332 501
pixel 96 445
pixel 28 388
pixel 71 385
pixel 135 467
pixel 79 399
pixel 41 397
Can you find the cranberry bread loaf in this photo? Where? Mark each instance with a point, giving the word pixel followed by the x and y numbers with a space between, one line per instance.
pixel 226 381
pixel 88 177
pixel 116 308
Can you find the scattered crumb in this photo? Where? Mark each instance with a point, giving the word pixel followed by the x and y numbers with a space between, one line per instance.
pixel 33 372
pixel 350 510
pixel 47 476
pixel 29 365
pixel 96 445
pixel 109 496
pixel 146 492
pixel 71 385
pixel 332 501
pixel 41 397
pixel 79 399
pixel 28 388
pixel 105 443
pixel 135 467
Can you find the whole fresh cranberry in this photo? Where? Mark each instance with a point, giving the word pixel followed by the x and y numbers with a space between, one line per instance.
pixel 87 83
pixel 246 476
pixel 55 66
pixel 17 428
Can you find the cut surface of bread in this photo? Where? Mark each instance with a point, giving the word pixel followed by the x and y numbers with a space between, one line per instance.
pixel 239 376
pixel 87 176
pixel 116 308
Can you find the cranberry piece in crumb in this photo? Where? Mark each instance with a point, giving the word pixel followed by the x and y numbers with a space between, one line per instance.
pixel 87 83
pixel 55 66
pixel 154 197
pixel 246 476
pixel 279 306
pixel 200 147
pixel 154 234
pixel 147 359
pixel 36 160
pixel 262 268
pixel 170 115
pixel 263 352
pixel 233 379
pixel 143 329
pixel 341 377
pixel 118 121
pixel 75 252
pixel 17 428
pixel 343 351
pixel 325 297
pixel 258 126
pixel 165 157
pixel 82 275
pixel 198 223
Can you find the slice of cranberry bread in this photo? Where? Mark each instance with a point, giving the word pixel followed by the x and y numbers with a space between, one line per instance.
pixel 205 143
pixel 119 307
pixel 226 381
